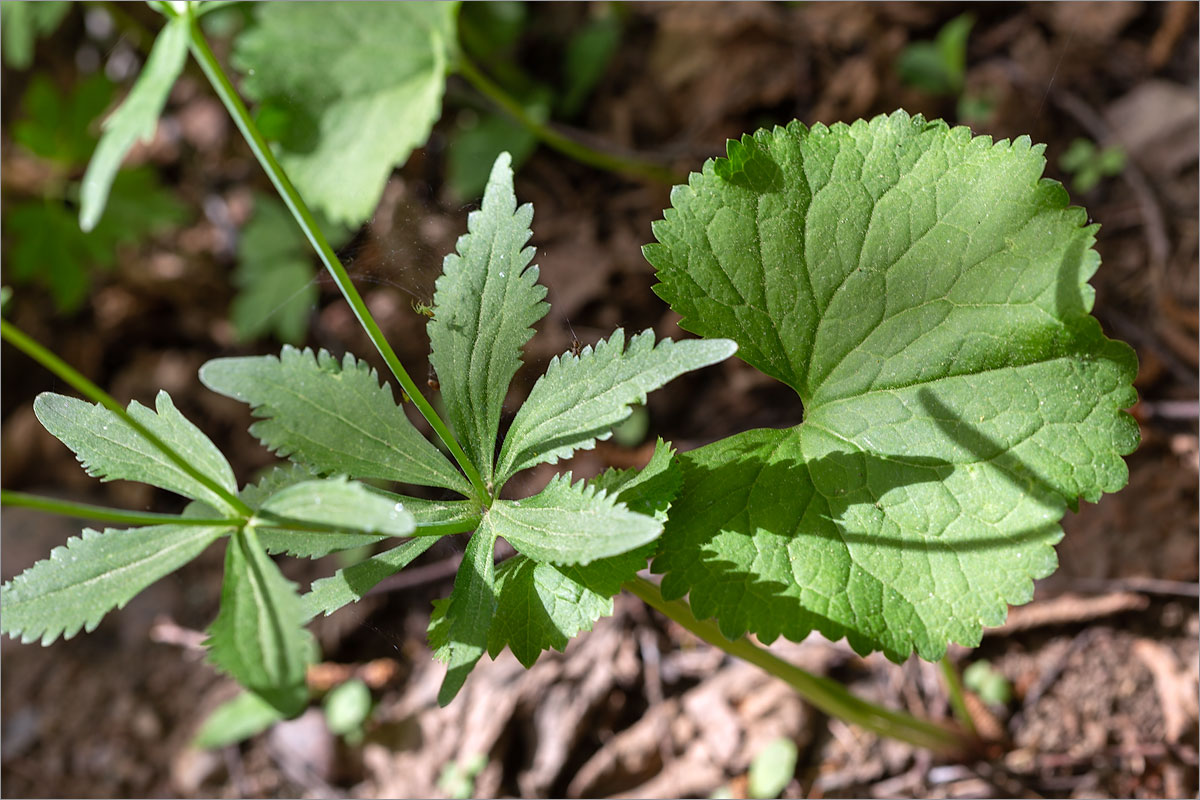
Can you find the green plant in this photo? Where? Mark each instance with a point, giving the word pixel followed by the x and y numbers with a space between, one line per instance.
pixel 923 291
pixel 1088 164
pixel 940 68
pixel 989 683
pixel 45 244
pixel 772 769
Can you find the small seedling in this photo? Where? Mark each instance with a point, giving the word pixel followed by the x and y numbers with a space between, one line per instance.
pixel 772 769
pixel 990 684
pixel 1088 164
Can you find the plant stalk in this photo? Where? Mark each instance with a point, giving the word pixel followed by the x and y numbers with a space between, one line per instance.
pixel 552 138
pixel 826 694
pixel 958 700
pixel 17 338
pixel 70 508
pixel 262 151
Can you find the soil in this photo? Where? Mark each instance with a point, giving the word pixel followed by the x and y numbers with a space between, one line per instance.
pixel 1102 665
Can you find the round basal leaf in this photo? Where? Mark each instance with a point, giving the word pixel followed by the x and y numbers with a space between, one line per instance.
pixel 925 293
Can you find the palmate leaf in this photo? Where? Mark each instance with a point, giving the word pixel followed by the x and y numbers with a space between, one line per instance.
pixel 334 418
pixel 486 300
pixel 458 630
pixel 360 86
pixel 925 295
pixel 108 448
pixel 581 397
pixel 89 576
pixel 258 637
pixel 136 118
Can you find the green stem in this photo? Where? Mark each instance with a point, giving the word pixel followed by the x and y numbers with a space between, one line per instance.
pixel 262 151
pixel 102 513
pixel 552 138
pixel 826 694
pixel 958 700
pixel 14 336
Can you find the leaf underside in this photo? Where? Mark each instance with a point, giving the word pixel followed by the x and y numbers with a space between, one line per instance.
pixel 361 85
pixel 925 293
pixel 258 637
pixel 334 418
pixel 91 575
pixel 356 516
pixel 110 449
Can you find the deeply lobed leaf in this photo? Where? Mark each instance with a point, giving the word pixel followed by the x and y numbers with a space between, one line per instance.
pixel 333 418
pixel 486 301
pixel 110 449
pixel 925 295
pixel 89 576
pixel 581 397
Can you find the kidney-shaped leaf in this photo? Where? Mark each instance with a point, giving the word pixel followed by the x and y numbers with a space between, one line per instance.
pixel 924 292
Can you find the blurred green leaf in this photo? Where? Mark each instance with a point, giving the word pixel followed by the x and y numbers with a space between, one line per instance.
pixel 938 67
pixel 772 769
pixel 135 120
pixel 589 52
pixel 23 23
pixel 57 126
pixel 347 708
pixel 48 248
pixel 236 720
pixel 984 680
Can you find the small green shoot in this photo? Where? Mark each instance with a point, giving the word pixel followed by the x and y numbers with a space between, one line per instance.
pixel 938 67
pixel 772 769
pixel 1088 165
pixel 457 779
pixel 347 709
pixel 989 683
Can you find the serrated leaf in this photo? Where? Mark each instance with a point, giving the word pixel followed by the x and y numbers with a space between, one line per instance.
pixel 258 637
pixel 649 490
pixel 486 301
pixel 569 523
pixel 352 514
pixel 236 720
pixel 458 632
pixel 89 576
pixel 350 584
pixel 925 295
pixel 334 418
pixel 581 397
pixel 360 84
pixel 542 606
pixel 109 449
pixel 136 119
